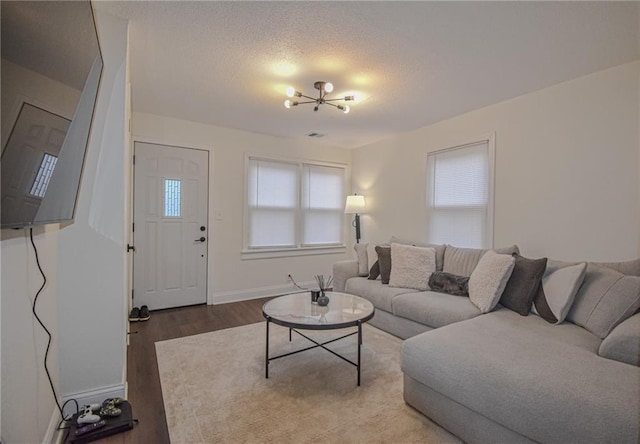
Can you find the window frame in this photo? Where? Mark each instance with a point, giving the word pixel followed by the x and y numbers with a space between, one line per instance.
pixel 299 249
pixel 489 139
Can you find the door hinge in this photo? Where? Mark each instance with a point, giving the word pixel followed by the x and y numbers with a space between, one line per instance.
pixel 131 248
pixel 134 159
pixel 133 226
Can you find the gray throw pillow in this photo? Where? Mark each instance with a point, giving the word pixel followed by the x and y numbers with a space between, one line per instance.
pixel 449 283
pixel 606 298
pixel 374 272
pixel 488 280
pixel 523 284
pixel 557 292
pixel 384 263
pixel 623 343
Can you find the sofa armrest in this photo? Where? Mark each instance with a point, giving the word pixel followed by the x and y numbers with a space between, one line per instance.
pixel 342 271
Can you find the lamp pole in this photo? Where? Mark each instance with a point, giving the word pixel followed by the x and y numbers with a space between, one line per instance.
pixel 357 225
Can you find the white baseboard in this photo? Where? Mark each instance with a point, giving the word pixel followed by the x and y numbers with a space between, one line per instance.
pixel 53 435
pixel 256 293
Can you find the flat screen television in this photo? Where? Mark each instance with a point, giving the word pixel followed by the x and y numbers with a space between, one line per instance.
pixel 51 70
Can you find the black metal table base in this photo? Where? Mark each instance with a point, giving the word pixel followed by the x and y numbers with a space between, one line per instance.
pixel 317 345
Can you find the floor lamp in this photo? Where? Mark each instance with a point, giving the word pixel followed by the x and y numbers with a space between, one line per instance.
pixel 355 205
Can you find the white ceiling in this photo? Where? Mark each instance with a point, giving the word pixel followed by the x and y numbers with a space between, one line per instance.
pixel 413 63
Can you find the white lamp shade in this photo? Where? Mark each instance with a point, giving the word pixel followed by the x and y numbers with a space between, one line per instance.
pixel 355 204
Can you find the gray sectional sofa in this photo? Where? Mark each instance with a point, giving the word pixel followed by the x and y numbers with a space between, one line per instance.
pixel 501 377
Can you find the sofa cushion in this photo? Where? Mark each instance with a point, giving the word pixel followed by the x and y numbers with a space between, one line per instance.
pixel 412 266
pixel 438 247
pixel 558 291
pixel 623 343
pixel 488 280
pixel 626 267
pixel 449 283
pixel 540 380
pixel 523 284
pixel 434 309
pixel 605 299
pixel 378 294
pixel 462 261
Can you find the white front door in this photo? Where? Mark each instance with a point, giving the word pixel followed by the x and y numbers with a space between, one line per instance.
pixel 170 225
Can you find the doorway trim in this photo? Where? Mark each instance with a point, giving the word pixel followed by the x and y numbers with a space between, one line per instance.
pixel 210 210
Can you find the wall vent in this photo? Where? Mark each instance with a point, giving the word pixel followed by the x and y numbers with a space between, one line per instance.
pixel 316 135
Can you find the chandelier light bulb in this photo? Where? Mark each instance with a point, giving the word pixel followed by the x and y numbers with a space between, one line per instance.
pixel 346 109
pixel 287 103
pixel 328 87
pixel 291 91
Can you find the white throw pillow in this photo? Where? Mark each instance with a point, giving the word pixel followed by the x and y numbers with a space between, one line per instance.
pixel 489 278
pixel 363 262
pixel 558 291
pixel 411 267
pixel 372 256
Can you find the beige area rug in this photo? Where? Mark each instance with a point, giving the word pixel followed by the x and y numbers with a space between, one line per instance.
pixel 215 391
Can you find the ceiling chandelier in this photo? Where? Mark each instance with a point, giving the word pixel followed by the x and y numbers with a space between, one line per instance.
pixel 323 88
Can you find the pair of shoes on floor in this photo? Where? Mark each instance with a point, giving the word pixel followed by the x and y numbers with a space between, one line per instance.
pixel 139 314
pixel 92 413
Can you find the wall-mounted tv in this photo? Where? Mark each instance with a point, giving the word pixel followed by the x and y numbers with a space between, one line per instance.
pixel 51 70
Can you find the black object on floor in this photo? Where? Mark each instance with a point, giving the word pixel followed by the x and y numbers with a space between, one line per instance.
pixel 144 314
pixel 113 426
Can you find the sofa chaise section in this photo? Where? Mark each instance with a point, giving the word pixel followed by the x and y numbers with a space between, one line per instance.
pixel 502 377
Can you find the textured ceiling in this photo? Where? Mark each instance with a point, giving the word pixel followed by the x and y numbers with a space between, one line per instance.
pixel 412 63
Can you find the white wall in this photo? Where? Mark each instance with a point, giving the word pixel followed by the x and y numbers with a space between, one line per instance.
pixel 83 304
pixel 230 277
pixel 567 175
pixel 91 272
pixel 27 401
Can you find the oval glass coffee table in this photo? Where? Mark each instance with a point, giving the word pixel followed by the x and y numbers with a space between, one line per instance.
pixel 296 312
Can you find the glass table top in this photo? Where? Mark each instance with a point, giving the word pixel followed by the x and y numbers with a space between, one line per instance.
pixel 296 310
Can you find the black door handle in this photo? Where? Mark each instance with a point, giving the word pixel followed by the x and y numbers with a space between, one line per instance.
pixel 202 239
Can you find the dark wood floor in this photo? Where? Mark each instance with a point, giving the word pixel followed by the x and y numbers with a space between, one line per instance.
pixel 145 394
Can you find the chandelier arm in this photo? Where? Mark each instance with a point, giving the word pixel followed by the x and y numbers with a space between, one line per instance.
pixel 333 100
pixel 310 101
pixel 307 97
pixel 332 104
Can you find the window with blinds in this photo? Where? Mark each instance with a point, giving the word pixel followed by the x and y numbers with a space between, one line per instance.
pixel 293 205
pixel 459 195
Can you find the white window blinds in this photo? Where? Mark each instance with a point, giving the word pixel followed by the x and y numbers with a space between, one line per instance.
pixel 322 205
pixel 272 203
pixel 293 204
pixel 458 196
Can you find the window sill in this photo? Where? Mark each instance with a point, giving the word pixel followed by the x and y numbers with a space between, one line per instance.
pixel 291 252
